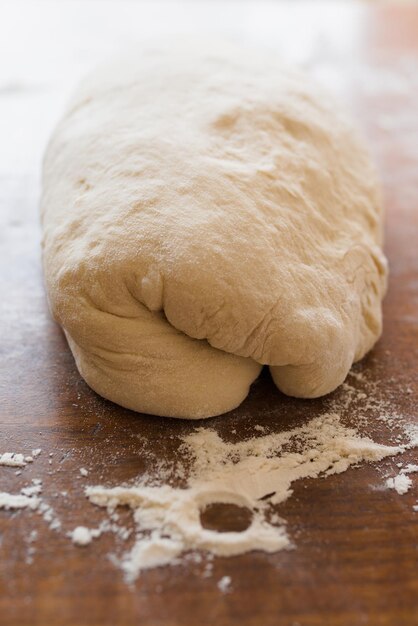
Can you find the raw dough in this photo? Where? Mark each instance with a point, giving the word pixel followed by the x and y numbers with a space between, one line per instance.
pixel 205 211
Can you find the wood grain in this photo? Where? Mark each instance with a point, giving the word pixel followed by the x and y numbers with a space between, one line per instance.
pixel 355 556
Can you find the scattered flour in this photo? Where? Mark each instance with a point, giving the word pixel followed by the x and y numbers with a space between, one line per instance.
pixel 224 584
pixel 154 551
pixel 35 489
pixel 49 515
pixel 81 536
pixel 16 459
pixel 411 431
pixel 12 459
pixel 401 483
pixel 29 497
pixel 9 501
pixel 31 550
pixel 255 474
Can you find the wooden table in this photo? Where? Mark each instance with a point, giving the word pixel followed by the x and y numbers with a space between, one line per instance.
pixel 355 559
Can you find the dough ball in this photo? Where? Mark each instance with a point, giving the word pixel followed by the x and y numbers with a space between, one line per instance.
pixel 207 211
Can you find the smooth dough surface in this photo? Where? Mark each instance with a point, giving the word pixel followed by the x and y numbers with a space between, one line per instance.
pixel 207 211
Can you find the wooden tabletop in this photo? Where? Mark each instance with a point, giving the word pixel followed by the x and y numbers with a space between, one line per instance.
pixel 355 554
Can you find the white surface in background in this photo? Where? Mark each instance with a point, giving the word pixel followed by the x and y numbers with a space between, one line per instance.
pixel 46 46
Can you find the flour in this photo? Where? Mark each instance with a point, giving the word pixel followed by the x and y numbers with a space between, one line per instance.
pixel 31 550
pixel 32 490
pixel 9 501
pixel 255 474
pixel 401 483
pixel 411 431
pixel 224 584
pixel 49 515
pixel 81 536
pixel 11 459
pixel 29 498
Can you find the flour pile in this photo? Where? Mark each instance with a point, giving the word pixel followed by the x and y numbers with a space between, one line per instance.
pixel 256 474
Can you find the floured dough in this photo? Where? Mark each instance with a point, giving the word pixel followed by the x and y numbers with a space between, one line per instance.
pixel 207 211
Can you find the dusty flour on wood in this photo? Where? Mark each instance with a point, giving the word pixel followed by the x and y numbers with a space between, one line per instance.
pixel 13 459
pixel 224 584
pixel 29 496
pixel 402 482
pixel 81 536
pixel 256 474
pixel 11 501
